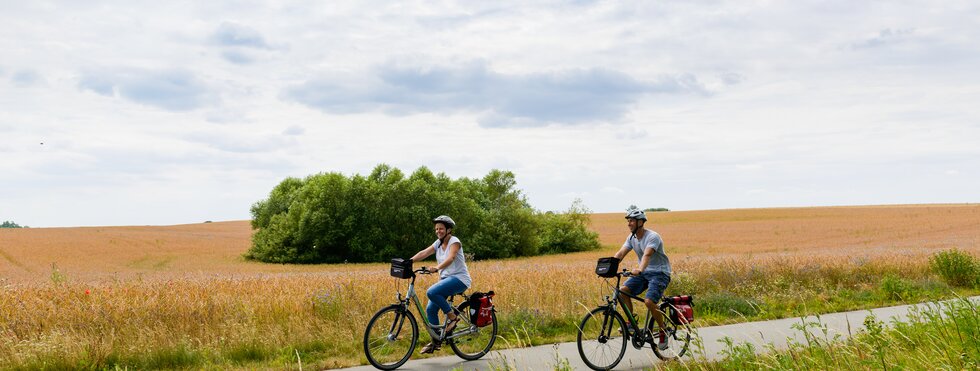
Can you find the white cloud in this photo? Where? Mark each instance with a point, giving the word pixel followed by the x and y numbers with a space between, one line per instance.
pixel 294 130
pixel 236 35
pixel 631 133
pixel 527 100
pixel 241 142
pixel 237 57
pixel 748 166
pixel 26 78
pixel 225 115
pixel 172 89
pixel 682 105
pixel 884 37
pixel 608 189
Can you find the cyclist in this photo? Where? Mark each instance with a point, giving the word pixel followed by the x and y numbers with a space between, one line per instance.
pixel 454 277
pixel 653 273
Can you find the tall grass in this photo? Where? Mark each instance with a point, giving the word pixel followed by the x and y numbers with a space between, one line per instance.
pixel 264 322
pixel 943 336
pixel 181 323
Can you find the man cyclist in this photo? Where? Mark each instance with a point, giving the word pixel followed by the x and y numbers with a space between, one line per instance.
pixel 653 273
pixel 454 277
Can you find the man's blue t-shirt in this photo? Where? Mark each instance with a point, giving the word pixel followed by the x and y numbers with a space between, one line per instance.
pixel 650 240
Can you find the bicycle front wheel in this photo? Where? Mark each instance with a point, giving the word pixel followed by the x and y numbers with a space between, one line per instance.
pixel 476 341
pixel 602 338
pixel 390 337
pixel 679 336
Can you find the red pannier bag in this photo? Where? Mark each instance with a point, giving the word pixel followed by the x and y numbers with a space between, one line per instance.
pixel 481 308
pixel 681 308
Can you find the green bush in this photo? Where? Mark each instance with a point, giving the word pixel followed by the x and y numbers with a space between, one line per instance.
pixel 956 267
pixel 896 288
pixel 569 231
pixel 332 218
pixel 10 224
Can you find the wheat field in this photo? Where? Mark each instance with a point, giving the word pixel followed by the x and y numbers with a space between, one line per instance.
pixel 182 296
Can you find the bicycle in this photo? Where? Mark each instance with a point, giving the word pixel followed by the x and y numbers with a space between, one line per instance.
pixel 392 333
pixel 603 333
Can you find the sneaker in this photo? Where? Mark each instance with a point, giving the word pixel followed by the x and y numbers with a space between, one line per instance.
pixel 662 345
pixel 430 348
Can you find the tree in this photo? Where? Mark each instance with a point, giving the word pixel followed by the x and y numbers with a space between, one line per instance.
pixel 332 218
pixel 10 224
pixel 569 231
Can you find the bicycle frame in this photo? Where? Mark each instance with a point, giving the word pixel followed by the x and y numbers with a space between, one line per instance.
pixel 392 333
pixel 433 330
pixel 603 335
pixel 633 327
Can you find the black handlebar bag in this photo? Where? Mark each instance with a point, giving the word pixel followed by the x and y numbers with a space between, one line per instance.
pixel 607 267
pixel 401 268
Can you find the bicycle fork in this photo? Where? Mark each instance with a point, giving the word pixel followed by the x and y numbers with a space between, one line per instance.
pixel 396 326
pixel 607 325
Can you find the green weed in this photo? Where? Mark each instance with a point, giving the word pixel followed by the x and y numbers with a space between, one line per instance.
pixel 942 336
pixel 896 288
pixel 956 267
pixel 727 304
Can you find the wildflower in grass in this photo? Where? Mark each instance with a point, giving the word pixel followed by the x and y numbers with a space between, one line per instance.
pixel 327 304
pixel 324 298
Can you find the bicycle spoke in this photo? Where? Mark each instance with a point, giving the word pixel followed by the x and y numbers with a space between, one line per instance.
pixel 389 339
pixel 601 341
pixel 475 344
pixel 678 341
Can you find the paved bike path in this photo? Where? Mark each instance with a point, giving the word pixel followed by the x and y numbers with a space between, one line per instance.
pixel 776 332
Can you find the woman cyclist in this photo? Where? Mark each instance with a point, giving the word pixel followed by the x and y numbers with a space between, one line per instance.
pixel 454 277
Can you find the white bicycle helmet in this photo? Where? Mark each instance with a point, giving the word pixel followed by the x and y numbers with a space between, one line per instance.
pixel 445 220
pixel 635 213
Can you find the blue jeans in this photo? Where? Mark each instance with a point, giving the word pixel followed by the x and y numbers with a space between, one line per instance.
pixel 654 282
pixel 437 297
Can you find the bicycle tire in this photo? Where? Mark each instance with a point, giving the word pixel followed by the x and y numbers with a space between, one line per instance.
pixel 384 340
pixel 475 345
pixel 602 335
pixel 679 334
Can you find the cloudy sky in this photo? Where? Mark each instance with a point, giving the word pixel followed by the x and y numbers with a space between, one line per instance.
pixel 148 112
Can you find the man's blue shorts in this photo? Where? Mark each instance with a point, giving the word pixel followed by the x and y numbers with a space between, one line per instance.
pixel 653 282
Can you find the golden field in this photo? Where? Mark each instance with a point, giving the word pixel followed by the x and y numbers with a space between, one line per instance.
pixel 182 296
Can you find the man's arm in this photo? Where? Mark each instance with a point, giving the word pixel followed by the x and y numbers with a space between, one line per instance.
pixel 647 253
pixel 622 253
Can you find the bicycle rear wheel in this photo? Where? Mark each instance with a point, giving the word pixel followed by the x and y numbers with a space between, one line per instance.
pixel 602 338
pixel 679 336
pixel 390 337
pixel 477 341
